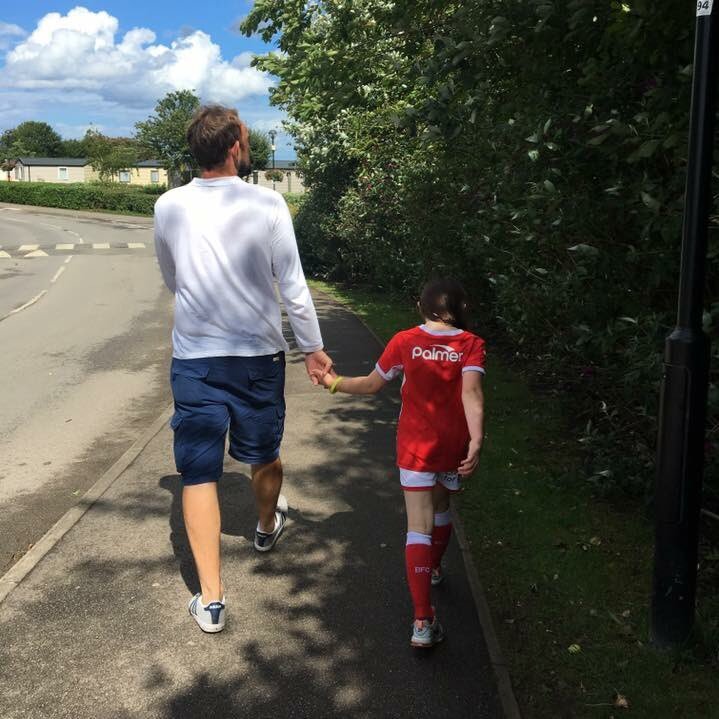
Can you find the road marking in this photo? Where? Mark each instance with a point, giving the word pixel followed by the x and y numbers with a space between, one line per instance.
pixel 36 253
pixel 79 237
pixel 25 306
pixel 136 245
pixel 100 245
pixel 4 255
pixel 27 248
pixel 68 259
pixel 57 274
pixel 65 246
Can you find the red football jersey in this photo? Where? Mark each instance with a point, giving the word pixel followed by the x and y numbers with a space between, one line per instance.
pixel 432 435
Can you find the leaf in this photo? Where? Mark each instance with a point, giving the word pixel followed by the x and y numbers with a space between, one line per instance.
pixel 549 186
pixel 574 649
pixel 583 249
pixel 621 702
pixel 533 155
pixel 648 148
pixel 650 201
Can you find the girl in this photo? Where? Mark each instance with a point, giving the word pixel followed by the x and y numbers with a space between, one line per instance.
pixel 439 435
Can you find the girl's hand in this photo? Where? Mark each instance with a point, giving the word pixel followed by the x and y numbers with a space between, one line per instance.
pixel 469 464
pixel 328 379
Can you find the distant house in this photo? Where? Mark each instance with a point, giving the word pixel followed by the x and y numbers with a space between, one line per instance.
pixel 291 178
pixel 50 169
pixel 78 169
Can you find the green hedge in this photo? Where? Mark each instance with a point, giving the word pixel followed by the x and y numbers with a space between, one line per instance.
pixel 79 196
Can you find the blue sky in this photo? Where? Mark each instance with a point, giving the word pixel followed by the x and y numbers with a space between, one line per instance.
pixel 106 63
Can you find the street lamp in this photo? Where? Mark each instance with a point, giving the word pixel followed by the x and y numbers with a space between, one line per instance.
pixel 273 135
pixel 682 412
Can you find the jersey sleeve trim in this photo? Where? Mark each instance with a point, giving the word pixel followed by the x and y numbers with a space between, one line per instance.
pixel 390 374
pixel 473 368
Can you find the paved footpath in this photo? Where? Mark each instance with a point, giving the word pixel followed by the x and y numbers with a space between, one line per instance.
pixel 317 628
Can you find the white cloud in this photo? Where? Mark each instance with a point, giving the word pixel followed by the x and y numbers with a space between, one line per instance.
pixel 9 34
pixel 80 53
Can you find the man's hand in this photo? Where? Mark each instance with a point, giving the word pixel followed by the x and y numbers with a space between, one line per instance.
pixel 318 364
pixel 469 464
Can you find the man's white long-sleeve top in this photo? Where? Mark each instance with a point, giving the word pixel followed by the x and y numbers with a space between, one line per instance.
pixel 222 244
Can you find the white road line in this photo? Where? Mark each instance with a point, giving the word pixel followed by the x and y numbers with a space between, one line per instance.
pixel 100 245
pixel 4 255
pixel 65 246
pixel 36 253
pixel 57 274
pixel 135 245
pixel 25 306
pixel 75 234
pixel 68 259
pixel 27 248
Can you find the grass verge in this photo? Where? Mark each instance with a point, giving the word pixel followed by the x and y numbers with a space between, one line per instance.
pixel 567 573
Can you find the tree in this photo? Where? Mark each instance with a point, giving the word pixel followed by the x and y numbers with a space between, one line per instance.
pixel 33 139
pixel 74 148
pixel 260 150
pixel 110 155
pixel 163 134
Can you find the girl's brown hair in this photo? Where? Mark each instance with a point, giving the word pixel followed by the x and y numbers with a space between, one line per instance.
pixel 444 300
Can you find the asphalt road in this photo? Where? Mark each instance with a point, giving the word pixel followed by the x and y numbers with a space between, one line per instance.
pixel 85 336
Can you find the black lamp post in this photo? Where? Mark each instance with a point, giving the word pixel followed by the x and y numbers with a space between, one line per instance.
pixel 273 135
pixel 682 413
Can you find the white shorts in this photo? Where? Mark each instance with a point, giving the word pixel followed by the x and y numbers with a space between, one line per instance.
pixel 419 481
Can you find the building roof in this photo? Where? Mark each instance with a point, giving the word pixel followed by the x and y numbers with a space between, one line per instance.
pixel 283 164
pixel 72 162
pixel 53 161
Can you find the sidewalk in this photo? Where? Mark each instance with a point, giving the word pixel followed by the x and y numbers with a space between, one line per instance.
pixel 317 628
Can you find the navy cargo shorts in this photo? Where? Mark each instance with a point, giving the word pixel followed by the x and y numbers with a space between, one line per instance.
pixel 243 394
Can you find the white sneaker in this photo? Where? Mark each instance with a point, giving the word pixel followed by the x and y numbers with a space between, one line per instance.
pixel 264 541
pixel 426 634
pixel 209 617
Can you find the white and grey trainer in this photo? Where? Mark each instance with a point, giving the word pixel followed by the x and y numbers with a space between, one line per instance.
pixel 209 617
pixel 264 541
pixel 426 634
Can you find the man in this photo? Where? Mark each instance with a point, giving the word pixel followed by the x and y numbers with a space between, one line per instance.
pixel 222 244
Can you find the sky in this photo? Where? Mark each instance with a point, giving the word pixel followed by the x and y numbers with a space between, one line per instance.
pixel 105 64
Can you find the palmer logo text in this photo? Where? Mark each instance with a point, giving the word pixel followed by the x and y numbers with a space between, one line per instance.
pixel 438 353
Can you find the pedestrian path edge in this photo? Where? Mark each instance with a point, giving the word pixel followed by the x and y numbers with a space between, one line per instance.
pixel 14 576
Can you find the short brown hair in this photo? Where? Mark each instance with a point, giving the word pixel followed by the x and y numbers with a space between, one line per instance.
pixel 213 131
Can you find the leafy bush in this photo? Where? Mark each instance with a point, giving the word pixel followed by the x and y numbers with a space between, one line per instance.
pixel 79 196
pixel 537 150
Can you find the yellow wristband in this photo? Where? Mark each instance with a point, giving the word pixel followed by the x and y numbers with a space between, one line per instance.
pixel 335 385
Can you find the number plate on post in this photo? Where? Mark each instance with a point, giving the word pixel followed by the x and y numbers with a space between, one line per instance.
pixel 704 7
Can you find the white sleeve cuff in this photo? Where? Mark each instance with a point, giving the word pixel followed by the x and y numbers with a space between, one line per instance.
pixel 311 348
pixel 391 374
pixel 472 368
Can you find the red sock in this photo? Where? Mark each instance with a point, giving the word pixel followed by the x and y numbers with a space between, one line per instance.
pixel 440 538
pixel 418 560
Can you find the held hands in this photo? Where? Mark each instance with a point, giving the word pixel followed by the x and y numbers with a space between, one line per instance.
pixel 327 379
pixel 469 464
pixel 318 364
